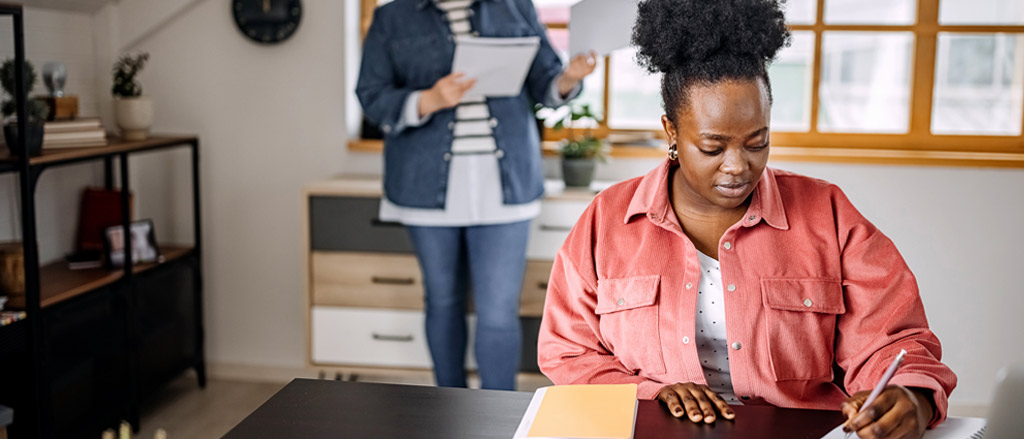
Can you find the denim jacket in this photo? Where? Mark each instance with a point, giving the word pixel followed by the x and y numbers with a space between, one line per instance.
pixel 408 48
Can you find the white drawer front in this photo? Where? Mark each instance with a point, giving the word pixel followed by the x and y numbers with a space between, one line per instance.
pixel 549 230
pixel 371 337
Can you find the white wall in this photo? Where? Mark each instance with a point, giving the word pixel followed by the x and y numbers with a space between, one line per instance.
pixel 269 119
pixel 65 37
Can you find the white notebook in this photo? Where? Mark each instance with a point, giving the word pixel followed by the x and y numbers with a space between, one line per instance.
pixel 953 428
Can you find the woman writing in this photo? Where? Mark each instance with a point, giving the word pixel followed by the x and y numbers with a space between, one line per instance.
pixel 715 279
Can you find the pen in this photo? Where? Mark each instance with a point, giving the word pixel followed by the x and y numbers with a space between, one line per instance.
pixel 883 382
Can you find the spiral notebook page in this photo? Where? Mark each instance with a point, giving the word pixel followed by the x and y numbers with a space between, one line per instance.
pixel 953 428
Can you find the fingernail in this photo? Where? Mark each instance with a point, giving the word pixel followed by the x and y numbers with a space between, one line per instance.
pixel 678 412
pixel 846 429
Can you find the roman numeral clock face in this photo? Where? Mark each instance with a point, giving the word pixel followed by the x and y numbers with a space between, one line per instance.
pixel 267 21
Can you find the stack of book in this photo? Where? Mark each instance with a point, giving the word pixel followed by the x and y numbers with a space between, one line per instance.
pixel 75 133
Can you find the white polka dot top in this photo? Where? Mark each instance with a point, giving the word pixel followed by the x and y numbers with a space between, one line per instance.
pixel 709 327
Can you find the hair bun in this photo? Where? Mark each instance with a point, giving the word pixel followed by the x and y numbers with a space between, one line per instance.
pixel 683 34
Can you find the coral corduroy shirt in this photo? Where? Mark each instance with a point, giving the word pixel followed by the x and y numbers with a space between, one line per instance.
pixel 809 284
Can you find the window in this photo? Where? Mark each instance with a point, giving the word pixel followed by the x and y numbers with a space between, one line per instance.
pixel 917 76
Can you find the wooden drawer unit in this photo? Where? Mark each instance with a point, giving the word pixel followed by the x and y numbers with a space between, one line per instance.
pixel 367 280
pixel 372 337
pixel 364 286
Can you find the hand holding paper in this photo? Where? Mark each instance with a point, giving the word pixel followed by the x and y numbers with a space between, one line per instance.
pixel 499 65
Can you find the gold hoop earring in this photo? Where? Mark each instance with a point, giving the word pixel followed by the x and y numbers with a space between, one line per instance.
pixel 673 153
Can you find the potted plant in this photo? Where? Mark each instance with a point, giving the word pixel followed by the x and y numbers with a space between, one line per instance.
pixel 580 153
pixel 134 111
pixel 37 110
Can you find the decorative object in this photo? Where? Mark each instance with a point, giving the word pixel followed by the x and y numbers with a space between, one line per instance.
pixel 580 154
pixel 100 208
pixel 134 111
pixel 12 273
pixel 144 248
pixel 54 75
pixel 37 110
pixel 267 21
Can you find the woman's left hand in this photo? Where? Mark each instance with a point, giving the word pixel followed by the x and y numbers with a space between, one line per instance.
pixel 579 67
pixel 897 413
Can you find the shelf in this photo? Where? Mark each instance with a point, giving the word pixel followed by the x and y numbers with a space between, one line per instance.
pixel 115 145
pixel 799 154
pixel 59 283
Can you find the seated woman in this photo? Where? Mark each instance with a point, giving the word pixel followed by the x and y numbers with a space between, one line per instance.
pixel 715 279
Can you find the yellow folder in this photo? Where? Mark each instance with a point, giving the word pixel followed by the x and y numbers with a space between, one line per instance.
pixel 591 411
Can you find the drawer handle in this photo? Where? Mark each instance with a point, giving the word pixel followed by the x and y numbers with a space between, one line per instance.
pixel 392 280
pixel 542 285
pixel 385 337
pixel 376 222
pixel 550 228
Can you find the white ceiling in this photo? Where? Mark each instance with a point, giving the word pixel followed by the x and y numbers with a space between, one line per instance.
pixel 88 6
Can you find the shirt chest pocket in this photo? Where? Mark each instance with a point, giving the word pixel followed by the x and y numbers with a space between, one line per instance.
pixel 419 61
pixel 629 320
pixel 800 316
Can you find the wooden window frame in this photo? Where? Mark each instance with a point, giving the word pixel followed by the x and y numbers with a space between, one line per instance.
pixel 917 146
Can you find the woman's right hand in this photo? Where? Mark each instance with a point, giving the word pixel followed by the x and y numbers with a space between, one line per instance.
pixel 446 93
pixel 696 400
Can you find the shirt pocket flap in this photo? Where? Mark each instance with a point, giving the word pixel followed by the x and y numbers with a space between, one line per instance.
pixel 626 293
pixel 809 294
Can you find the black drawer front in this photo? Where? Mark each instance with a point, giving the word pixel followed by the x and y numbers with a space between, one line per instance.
pixel 351 224
pixel 531 331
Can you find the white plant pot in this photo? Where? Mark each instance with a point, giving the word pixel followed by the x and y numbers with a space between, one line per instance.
pixel 134 117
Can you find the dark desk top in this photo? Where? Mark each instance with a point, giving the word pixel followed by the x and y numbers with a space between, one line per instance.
pixel 335 409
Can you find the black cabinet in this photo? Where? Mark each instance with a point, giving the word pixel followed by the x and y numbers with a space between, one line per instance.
pixel 96 344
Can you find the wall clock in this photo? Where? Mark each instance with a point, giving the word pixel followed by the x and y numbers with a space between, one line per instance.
pixel 267 21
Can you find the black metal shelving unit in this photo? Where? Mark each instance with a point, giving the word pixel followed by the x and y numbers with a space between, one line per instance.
pixel 96 343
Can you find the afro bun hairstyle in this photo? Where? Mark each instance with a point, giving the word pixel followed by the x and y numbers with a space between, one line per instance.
pixel 707 41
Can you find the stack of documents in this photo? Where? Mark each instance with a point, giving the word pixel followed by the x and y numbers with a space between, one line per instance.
pixel 953 428
pixel 592 411
pixel 499 65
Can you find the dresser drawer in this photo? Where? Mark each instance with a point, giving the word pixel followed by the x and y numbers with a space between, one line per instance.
pixel 369 337
pixel 351 224
pixel 535 287
pixel 367 280
pixel 549 230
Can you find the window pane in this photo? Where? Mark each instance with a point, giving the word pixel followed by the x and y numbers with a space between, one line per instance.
pixel 635 99
pixel 865 82
pixel 871 11
pixel 979 84
pixel 981 12
pixel 801 11
pixel 791 84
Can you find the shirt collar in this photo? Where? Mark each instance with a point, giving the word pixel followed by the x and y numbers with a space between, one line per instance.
pixel 651 198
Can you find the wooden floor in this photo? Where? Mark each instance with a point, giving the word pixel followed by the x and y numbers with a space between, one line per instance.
pixel 186 411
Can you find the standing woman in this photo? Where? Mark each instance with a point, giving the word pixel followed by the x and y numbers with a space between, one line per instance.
pixel 716 280
pixel 462 173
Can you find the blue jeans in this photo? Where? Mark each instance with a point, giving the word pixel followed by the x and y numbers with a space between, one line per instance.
pixel 492 258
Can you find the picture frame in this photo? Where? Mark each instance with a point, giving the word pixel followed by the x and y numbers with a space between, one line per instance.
pixel 144 246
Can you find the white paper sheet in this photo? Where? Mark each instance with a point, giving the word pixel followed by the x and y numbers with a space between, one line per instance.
pixel 499 65
pixel 600 25
pixel 953 428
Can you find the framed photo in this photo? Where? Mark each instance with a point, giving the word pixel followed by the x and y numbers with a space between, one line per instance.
pixel 144 248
